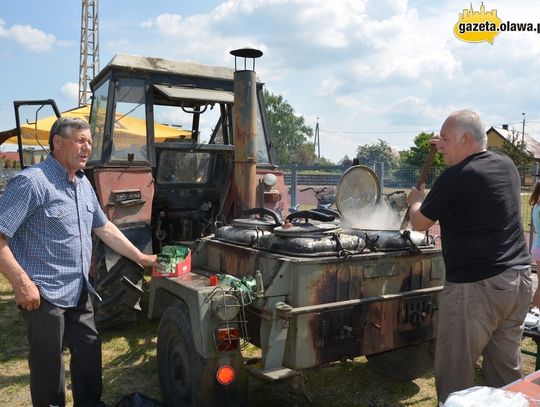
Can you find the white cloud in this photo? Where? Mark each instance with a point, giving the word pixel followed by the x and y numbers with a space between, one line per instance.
pixel 29 37
pixel 412 110
pixel 382 9
pixel 329 86
pixel 165 24
pixel 70 92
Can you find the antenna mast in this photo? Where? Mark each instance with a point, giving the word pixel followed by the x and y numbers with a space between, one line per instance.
pixel 317 141
pixel 89 62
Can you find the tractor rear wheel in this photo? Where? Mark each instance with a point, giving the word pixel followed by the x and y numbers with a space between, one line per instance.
pixel 120 289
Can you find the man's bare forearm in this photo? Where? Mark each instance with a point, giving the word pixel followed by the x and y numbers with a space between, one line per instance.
pixel 115 239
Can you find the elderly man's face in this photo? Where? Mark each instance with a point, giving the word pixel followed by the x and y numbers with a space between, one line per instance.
pixel 73 152
pixel 451 144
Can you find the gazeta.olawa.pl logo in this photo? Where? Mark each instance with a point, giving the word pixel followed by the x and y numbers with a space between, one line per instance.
pixel 480 26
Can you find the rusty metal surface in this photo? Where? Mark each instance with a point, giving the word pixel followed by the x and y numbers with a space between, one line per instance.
pixel 245 139
pixel 326 335
pixel 107 180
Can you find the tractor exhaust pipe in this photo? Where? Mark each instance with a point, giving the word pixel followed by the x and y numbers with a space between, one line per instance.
pixel 245 131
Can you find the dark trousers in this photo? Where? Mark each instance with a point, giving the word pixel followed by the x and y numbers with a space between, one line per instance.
pixel 49 329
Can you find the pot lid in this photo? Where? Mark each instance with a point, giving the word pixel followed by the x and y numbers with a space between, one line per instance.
pixel 306 229
pixel 358 189
pixel 250 223
pixel 266 219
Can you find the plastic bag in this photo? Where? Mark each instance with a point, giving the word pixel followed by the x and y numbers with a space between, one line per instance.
pixel 482 396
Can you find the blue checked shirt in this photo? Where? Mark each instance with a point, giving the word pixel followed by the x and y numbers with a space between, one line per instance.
pixel 48 221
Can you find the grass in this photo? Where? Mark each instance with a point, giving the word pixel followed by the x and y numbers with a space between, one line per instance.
pixel 129 365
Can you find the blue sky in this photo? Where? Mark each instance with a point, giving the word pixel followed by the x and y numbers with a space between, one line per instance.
pixel 368 69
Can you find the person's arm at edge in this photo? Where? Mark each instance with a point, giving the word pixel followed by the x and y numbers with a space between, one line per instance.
pixel 26 292
pixel 116 240
pixel 416 218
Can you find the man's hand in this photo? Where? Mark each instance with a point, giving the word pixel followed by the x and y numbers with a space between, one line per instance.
pixel 149 260
pixel 416 195
pixel 27 294
pixel 415 199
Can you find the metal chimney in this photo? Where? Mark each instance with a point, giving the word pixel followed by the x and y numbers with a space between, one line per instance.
pixel 245 130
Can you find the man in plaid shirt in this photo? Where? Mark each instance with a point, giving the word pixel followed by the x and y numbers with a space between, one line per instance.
pixel 48 213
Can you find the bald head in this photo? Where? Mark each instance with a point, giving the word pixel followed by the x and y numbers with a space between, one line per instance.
pixel 467 121
pixel 462 134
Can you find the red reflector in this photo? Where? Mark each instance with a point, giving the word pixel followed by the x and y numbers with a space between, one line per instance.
pixel 227 339
pixel 228 333
pixel 225 375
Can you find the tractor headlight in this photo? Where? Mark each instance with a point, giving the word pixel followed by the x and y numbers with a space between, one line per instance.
pixel 225 307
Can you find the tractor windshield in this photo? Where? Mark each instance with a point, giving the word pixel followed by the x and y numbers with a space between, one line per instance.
pixel 183 167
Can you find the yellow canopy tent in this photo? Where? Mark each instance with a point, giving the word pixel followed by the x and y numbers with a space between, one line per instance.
pixel 126 128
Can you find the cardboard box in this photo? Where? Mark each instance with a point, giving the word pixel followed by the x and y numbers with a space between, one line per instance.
pixel 174 262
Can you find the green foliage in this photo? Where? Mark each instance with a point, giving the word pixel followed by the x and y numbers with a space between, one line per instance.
pixel 290 133
pixel 416 156
pixel 304 154
pixel 346 161
pixel 379 152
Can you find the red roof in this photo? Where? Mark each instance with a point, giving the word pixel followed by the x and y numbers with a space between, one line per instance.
pixel 9 155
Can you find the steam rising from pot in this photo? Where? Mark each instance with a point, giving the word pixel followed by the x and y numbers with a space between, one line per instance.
pixel 376 217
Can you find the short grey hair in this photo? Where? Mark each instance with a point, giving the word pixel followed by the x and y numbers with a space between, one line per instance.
pixel 467 121
pixel 63 126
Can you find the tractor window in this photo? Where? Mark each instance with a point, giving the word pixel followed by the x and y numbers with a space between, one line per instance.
pixel 174 123
pixel 129 127
pixel 97 120
pixel 183 167
pixel 171 123
pixel 35 124
pixel 262 150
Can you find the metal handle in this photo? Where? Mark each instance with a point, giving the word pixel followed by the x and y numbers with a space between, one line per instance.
pixel 311 215
pixel 421 180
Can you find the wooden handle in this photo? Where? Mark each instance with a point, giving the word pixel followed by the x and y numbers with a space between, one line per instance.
pixel 421 180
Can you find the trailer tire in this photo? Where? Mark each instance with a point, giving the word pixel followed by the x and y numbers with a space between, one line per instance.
pixel 120 289
pixel 404 364
pixel 179 364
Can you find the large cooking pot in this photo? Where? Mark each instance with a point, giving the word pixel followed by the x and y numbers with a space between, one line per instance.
pixel 311 233
pixel 390 240
pixel 247 231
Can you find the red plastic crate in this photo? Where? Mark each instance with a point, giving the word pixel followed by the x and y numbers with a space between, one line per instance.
pixel 181 268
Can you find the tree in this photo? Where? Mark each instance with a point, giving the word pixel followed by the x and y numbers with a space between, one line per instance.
pixel 416 156
pixel 345 161
pixel 289 132
pixel 304 154
pixel 379 152
pixel 515 148
pixel 413 161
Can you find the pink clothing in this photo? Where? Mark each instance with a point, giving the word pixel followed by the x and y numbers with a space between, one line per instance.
pixel 535 252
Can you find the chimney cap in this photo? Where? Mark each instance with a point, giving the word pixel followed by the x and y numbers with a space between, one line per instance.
pixel 247 53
